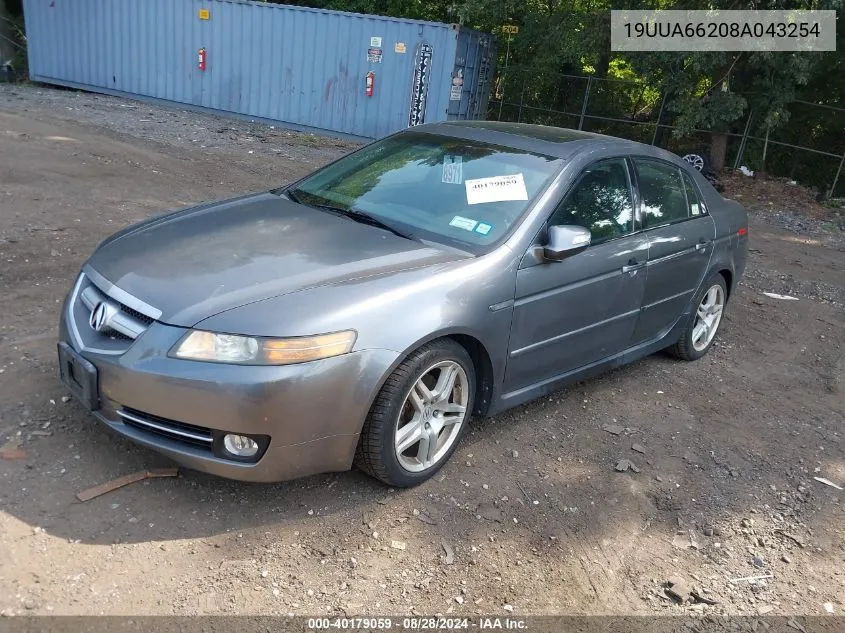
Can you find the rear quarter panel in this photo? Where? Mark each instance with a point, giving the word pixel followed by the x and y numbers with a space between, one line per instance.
pixel 731 248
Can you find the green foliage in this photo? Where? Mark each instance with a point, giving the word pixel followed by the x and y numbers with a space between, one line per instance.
pixel 13 44
pixel 714 91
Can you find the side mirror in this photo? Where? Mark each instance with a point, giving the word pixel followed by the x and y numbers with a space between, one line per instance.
pixel 565 241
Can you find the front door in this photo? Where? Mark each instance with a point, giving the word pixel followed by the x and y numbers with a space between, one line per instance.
pixel 572 313
pixel 680 236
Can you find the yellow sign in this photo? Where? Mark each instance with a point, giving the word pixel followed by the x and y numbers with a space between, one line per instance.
pixel 399 47
pixel 510 28
pixel 204 14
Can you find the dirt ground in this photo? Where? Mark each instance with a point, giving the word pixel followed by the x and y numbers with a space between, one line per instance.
pixel 533 515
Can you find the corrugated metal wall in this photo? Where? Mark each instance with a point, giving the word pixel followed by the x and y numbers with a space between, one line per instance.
pixel 301 66
pixel 474 63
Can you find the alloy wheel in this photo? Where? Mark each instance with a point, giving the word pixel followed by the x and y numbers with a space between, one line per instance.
pixel 696 160
pixel 707 317
pixel 431 416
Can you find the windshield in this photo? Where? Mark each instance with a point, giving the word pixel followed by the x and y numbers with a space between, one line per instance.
pixel 449 190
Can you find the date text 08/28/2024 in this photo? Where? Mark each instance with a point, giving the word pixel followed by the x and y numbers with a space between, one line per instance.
pixel 419 623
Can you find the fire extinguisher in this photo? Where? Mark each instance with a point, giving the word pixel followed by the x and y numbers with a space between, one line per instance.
pixel 371 82
pixel 201 59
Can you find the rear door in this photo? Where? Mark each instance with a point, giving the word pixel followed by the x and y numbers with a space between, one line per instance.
pixel 680 236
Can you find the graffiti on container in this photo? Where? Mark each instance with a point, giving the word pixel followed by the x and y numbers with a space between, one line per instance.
pixel 419 88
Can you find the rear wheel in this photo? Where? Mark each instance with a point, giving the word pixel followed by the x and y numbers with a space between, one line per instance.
pixel 700 332
pixel 419 415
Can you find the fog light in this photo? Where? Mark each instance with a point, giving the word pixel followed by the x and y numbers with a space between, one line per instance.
pixel 240 445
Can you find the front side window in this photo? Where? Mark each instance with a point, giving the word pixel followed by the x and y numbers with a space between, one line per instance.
pixel 454 191
pixel 600 201
pixel 662 193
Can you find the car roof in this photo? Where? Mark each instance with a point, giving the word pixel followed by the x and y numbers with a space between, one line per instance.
pixel 552 141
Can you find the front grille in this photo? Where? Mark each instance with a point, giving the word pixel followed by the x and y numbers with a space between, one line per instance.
pixel 162 427
pixel 143 318
pixel 117 324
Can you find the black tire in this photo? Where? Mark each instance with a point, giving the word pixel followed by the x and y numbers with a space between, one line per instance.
pixel 684 348
pixel 375 454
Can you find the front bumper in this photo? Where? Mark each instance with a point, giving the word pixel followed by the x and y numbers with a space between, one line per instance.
pixel 311 412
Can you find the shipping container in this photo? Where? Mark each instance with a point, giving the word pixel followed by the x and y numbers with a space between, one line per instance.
pixel 352 74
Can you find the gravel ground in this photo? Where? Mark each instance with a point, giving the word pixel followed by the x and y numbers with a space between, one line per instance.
pixel 530 516
pixel 204 134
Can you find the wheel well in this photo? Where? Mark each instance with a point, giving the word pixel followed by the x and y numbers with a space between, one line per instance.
pixel 483 370
pixel 728 281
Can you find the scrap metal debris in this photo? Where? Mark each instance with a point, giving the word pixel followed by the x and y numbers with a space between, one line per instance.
pixel 828 482
pixel 120 482
pixel 752 578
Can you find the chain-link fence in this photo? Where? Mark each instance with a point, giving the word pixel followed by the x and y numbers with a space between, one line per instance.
pixel 802 149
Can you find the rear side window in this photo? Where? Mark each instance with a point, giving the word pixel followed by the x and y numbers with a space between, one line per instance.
pixel 661 192
pixel 696 207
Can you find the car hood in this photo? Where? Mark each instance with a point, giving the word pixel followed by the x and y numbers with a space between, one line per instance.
pixel 196 263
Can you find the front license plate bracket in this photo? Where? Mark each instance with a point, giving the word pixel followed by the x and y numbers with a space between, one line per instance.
pixel 79 375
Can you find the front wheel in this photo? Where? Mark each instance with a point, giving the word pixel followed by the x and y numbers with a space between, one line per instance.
pixel 419 415
pixel 702 325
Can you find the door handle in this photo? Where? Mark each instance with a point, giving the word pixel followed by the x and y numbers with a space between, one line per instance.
pixel 632 265
pixel 702 244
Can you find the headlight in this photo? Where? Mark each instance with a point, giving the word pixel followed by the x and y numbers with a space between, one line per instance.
pixel 254 350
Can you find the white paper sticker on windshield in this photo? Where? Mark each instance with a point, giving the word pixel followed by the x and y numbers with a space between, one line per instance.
pixel 483 228
pixel 453 170
pixel 496 189
pixel 694 209
pixel 460 222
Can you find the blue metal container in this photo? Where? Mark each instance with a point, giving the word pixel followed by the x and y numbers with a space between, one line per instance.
pixel 304 67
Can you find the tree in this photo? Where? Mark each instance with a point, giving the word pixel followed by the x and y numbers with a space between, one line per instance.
pixel 717 90
pixel 7 48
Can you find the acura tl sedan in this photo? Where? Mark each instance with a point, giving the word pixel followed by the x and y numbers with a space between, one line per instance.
pixel 363 314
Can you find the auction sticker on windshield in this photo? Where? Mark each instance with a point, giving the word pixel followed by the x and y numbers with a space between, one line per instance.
pixel 452 170
pixel 496 189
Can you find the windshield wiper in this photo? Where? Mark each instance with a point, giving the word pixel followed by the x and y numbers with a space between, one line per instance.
pixel 290 194
pixel 365 218
pixel 353 214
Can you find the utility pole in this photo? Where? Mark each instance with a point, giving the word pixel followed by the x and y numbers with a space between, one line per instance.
pixel 510 30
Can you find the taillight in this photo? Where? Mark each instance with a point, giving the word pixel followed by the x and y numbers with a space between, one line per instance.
pixel 742 231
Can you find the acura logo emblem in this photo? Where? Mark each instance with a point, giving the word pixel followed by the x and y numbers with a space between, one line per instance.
pixel 101 315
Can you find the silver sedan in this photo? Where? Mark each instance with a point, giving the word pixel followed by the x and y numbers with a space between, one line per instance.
pixel 362 314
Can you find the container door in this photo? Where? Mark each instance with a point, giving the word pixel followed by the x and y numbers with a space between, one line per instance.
pixel 470 80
